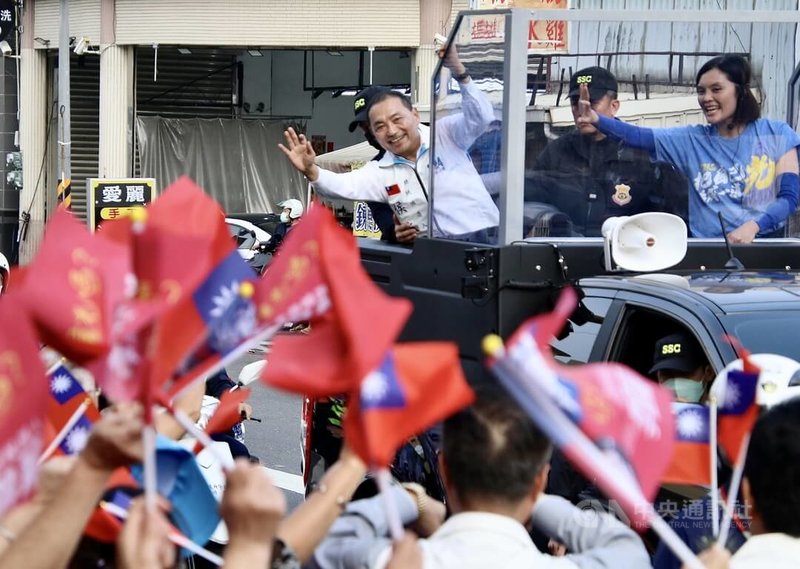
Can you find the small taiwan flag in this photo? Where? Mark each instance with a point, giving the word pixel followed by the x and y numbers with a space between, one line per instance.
pixel 393 190
pixel 691 457
pixel 67 396
pixel 381 388
pixel 77 437
pixel 64 386
pixel 737 411
pixel 415 386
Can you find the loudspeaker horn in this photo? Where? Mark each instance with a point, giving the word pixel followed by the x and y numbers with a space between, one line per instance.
pixel 644 242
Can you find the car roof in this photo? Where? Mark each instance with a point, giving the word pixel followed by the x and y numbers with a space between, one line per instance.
pixel 260 234
pixel 722 291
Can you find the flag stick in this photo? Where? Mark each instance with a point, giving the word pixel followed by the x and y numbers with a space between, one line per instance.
pixel 149 446
pixel 577 447
pixel 712 435
pixel 736 481
pixel 62 434
pixel 383 478
pixel 174 536
pixel 231 356
pixel 186 422
pixel 265 333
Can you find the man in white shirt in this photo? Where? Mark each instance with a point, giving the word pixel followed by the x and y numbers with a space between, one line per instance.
pixel 771 490
pixel 494 462
pixel 462 209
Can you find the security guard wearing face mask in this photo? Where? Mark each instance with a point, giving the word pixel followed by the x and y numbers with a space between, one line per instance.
pixel 680 365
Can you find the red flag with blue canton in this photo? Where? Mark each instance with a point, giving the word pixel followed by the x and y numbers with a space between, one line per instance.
pixel 623 413
pixel 226 415
pixel 691 458
pixel 182 239
pixel 23 405
pixel 66 397
pixel 737 412
pixel 415 386
pixel 318 276
pixel 208 324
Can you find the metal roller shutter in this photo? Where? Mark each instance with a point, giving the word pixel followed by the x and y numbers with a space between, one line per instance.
pixel 85 100
pixel 197 84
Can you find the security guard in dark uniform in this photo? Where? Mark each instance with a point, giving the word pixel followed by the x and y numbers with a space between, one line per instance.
pixel 590 177
pixel 381 212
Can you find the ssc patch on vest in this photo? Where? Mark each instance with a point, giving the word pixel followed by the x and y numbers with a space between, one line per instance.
pixel 622 194
pixel 393 190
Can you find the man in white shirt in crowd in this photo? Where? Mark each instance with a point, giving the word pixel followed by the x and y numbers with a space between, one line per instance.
pixel 494 463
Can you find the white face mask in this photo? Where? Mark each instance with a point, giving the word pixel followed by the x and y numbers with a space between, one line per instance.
pixel 284 217
pixel 685 390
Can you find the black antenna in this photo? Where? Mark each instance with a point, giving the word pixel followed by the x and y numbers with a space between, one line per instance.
pixel 732 264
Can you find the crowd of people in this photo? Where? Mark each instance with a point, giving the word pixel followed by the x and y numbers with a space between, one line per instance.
pixel 494 463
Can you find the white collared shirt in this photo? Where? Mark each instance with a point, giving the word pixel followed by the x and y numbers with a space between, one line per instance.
pixel 461 203
pixel 770 550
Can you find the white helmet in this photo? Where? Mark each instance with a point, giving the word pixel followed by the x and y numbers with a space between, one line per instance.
pixel 778 381
pixel 5 269
pixel 295 207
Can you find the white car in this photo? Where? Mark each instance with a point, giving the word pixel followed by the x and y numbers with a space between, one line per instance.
pixel 247 236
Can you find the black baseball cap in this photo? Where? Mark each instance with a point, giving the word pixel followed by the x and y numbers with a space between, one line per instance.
pixel 678 352
pixel 600 81
pixel 362 102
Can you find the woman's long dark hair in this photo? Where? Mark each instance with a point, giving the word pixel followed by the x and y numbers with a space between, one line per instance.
pixel 739 72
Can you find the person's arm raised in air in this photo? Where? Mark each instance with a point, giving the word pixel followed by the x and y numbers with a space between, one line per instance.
pixel 786 172
pixel 51 476
pixel 635 136
pixel 476 110
pixel 144 540
pixel 115 441
pixel 361 184
pixel 593 540
pixel 252 508
pixel 309 523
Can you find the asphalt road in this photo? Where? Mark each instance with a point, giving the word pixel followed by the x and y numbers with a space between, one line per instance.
pixel 276 440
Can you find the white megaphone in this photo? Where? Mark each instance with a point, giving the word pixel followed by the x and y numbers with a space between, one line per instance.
pixel 644 242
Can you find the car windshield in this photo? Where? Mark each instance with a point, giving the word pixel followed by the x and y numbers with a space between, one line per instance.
pixel 512 95
pixel 244 237
pixel 771 332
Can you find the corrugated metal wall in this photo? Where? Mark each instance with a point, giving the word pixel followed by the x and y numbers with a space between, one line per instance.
pixel 379 23
pixel 771 46
pixel 84 20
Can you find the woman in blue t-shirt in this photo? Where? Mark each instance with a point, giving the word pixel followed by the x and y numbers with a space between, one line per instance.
pixel 739 165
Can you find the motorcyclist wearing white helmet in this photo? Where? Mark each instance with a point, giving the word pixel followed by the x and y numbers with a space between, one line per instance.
pixel 291 214
pixel 5 272
pixel 292 211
